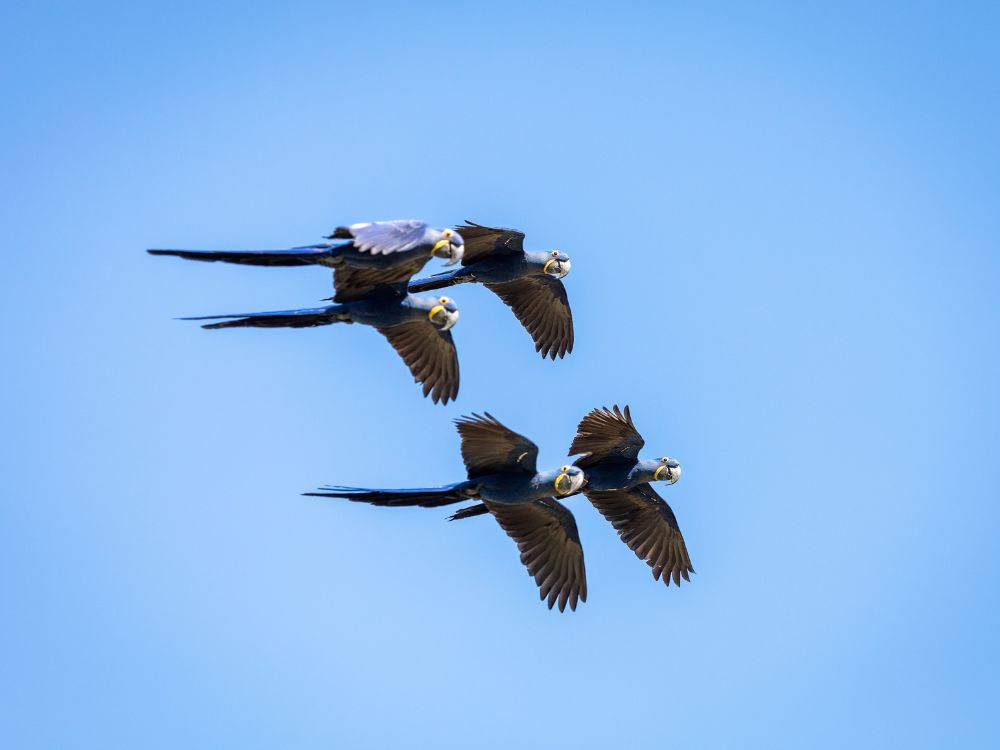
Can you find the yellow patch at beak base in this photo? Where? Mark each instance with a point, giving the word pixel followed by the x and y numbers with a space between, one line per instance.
pixel 438 245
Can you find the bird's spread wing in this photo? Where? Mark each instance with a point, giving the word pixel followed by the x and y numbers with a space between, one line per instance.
pixel 384 237
pixel 481 242
pixel 606 435
pixel 546 534
pixel 541 305
pixel 431 356
pixel 647 525
pixel 488 447
pixel 351 284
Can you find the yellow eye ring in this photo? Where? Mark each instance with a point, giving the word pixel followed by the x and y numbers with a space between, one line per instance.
pixel 447 233
pixel 555 253
pixel 564 468
pixel 443 300
pixel 664 459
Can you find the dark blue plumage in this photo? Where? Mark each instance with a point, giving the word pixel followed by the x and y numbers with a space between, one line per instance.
pixel 527 282
pixel 417 328
pixel 618 484
pixel 377 244
pixel 372 264
pixel 501 468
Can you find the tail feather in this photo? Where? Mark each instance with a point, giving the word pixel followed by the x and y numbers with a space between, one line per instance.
pixel 440 280
pixel 426 497
pixel 317 316
pixel 472 511
pixel 295 256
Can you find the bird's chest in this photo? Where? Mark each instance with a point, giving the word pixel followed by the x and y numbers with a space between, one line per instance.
pixel 609 476
pixel 501 269
pixel 382 314
pixel 511 488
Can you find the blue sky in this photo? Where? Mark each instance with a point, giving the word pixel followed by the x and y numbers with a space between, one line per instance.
pixel 783 229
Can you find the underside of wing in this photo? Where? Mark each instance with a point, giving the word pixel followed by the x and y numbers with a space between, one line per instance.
pixel 384 237
pixel 546 535
pixel 488 447
pixel 481 242
pixel 606 435
pixel 648 526
pixel 352 283
pixel 542 307
pixel 431 356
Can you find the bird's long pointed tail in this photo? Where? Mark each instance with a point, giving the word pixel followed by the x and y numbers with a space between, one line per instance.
pixel 316 316
pixel 295 256
pixel 472 511
pixel 441 280
pixel 424 497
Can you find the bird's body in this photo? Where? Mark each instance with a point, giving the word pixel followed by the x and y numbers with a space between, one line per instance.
pixel 501 473
pixel 527 282
pixel 608 476
pixel 417 328
pixel 385 311
pixel 619 486
pixel 372 264
pixel 494 269
pixel 378 245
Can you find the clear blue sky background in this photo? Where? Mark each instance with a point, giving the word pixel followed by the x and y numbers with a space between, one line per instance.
pixel 784 232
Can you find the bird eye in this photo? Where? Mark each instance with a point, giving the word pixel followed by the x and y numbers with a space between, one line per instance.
pixel 447 233
pixel 564 469
pixel 555 253
pixel 443 300
pixel 664 459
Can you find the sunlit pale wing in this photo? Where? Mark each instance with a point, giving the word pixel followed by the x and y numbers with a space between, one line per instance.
pixel 431 356
pixel 489 447
pixel 546 535
pixel 541 305
pixel 647 525
pixel 481 242
pixel 606 435
pixel 351 283
pixel 384 237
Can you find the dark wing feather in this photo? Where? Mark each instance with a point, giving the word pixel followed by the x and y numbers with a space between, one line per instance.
pixel 647 525
pixel 541 305
pixel 546 535
pixel 481 242
pixel 606 435
pixel 489 447
pixel 352 284
pixel 384 237
pixel 431 356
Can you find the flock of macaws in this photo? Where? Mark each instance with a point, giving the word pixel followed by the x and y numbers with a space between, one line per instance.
pixel 373 268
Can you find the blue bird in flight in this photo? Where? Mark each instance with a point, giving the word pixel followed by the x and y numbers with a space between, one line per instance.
pixel 619 486
pixel 395 250
pixel 527 282
pixel 371 271
pixel 502 473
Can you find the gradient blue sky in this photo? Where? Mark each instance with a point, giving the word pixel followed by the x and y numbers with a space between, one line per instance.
pixel 784 231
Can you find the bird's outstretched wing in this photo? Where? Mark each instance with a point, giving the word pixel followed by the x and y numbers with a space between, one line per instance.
pixel 546 535
pixel 541 305
pixel 384 237
pixel 647 525
pixel 351 283
pixel 431 356
pixel 481 242
pixel 606 435
pixel 489 447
